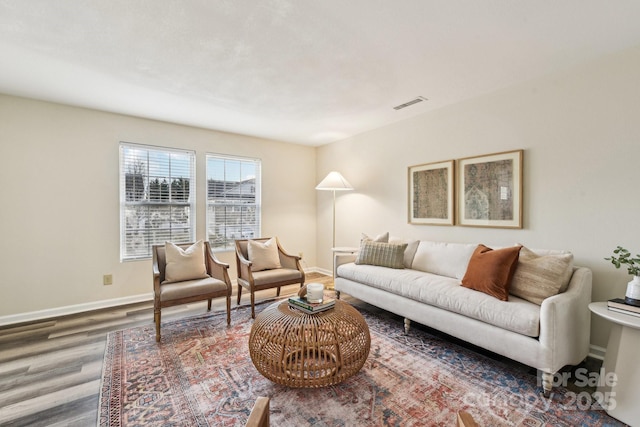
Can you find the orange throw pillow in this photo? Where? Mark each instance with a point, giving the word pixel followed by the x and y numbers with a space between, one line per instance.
pixel 490 271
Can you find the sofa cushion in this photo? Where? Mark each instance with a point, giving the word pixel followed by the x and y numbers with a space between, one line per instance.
pixel 490 271
pixel 263 256
pixel 382 254
pixel 516 315
pixel 184 264
pixel 540 276
pixel 445 259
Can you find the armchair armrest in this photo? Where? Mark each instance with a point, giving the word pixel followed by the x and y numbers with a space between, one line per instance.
pixel 217 268
pixel 244 267
pixel 287 260
pixel 156 278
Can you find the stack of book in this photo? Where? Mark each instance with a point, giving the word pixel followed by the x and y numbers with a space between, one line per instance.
pixel 620 306
pixel 301 303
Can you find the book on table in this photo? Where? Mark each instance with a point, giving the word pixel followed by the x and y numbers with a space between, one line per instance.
pixel 618 304
pixel 311 307
pixel 627 312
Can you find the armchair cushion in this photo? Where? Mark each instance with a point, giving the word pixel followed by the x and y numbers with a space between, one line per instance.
pixel 184 264
pixel 263 256
pixel 189 288
pixel 275 275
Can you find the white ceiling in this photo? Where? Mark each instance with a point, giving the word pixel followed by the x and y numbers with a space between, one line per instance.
pixel 303 71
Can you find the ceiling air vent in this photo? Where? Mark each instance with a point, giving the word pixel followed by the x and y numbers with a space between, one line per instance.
pixel 410 103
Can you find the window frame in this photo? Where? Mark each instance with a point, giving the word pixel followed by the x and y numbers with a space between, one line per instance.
pixel 155 200
pixel 229 237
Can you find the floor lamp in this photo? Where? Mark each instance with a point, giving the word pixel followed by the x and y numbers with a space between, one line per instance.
pixel 334 182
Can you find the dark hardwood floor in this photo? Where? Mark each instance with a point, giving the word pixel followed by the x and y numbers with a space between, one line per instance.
pixel 50 370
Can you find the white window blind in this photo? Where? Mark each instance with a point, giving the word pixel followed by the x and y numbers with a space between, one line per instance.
pixel 233 200
pixel 157 198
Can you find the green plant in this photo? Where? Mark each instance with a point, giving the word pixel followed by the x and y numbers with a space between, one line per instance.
pixel 624 257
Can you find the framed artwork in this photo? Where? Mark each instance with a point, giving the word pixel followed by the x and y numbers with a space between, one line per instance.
pixel 431 197
pixel 490 190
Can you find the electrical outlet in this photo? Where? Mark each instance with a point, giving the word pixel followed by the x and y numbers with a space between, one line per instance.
pixel 301 255
pixel 107 279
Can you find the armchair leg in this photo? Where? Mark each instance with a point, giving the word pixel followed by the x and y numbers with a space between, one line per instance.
pixel 156 318
pixel 253 305
pixel 239 293
pixel 228 309
pixel 209 305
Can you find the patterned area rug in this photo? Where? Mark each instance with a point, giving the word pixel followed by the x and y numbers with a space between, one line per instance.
pixel 201 375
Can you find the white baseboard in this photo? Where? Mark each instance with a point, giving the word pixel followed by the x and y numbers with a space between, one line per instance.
pixel 96 305
pixel 319 270
pixel 72 309
pixel 597 352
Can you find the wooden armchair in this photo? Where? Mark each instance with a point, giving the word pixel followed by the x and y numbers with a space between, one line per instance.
pixel 289 273
pixel 215 284
pixel 464 419
pixel 259 416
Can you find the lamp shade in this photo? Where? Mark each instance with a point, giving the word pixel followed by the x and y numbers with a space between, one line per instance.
pixel 334 182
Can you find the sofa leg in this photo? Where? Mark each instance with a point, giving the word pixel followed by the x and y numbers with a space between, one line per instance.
pixel 337 294
pixel 407 325
pixel 209 304
pixel 547 384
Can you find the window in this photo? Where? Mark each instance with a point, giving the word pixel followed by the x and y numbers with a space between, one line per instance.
pixel 233 200
pixel 157 198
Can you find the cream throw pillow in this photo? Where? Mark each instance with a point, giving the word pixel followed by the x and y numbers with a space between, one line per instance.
pixel 540 276
pixel 410 252
pixel 380 238
pixel 263 256
pixel 184 264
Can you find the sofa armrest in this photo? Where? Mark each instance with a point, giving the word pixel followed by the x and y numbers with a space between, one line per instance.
pixel 565 321
pixel 339 259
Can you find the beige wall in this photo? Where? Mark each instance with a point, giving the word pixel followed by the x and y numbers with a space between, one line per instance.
pixel 579 129
pixel 60 219
pixel 581 134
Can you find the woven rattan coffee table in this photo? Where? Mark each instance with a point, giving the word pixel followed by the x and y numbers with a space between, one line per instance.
pixel 296 349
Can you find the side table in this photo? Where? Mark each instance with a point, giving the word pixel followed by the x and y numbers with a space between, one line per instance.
pixel 621 394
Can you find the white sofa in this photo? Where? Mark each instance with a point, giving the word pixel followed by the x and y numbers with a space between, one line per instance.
pixel 428 290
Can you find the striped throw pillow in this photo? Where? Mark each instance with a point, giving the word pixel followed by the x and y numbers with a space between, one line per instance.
pixel 381 254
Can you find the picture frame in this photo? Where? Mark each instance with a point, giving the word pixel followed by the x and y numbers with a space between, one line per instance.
pixel 489 192
pixel 431 193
